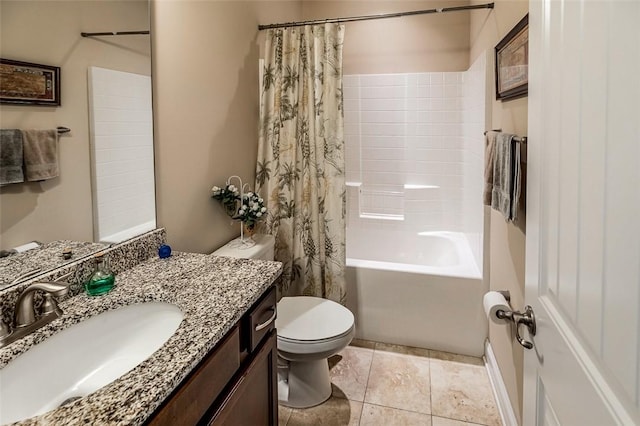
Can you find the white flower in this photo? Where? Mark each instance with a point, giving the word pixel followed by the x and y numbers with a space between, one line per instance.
pixel 260 200
pixel 264 209
pixel 258 214
pixel 249 194
pixel 215 189
pixel 232 188
pixel 256 207
pixel 243 208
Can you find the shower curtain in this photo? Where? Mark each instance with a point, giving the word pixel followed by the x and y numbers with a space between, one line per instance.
pixel 300 169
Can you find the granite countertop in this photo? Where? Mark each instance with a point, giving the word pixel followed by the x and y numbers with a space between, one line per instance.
pixel 213 293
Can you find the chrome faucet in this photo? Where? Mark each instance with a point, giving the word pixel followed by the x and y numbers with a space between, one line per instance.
pixel 25 312
pixel 25 315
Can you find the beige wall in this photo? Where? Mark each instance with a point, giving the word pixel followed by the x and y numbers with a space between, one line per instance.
pixel 48 32
pixel 409 44
pixel 206 91
pixel 506 241
pixel 205 69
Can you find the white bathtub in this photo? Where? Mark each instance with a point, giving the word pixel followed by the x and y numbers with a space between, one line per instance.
pixel 421 290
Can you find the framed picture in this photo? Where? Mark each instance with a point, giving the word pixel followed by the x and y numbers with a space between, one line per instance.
pixel 512 62
pixel 24 83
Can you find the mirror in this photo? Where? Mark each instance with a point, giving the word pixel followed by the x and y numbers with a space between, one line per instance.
pixel 67 207
pixel 24 265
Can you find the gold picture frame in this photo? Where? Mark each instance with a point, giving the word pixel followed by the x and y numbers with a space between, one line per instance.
pixel 512 62
pixel 25 83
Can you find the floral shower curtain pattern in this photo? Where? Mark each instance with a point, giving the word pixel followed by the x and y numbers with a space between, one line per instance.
pixel 300 170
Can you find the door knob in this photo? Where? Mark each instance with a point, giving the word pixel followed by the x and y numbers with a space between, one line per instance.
pixel 528 319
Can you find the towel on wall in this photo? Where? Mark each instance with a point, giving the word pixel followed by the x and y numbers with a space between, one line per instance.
pixel 505 191
pixel 40 154
pixel 517 180
pixel 489 154
pixel 11 156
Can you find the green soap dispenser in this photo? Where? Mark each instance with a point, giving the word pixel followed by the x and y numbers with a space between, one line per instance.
pixel 102 279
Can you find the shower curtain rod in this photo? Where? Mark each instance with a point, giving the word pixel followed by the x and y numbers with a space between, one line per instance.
pixel 114 33
pixel 380 16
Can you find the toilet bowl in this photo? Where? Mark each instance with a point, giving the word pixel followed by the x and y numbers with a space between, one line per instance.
pixel 309 330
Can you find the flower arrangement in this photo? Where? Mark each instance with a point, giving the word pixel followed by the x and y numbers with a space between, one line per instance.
pixel 251 209
pixel 227 196
pixel 248 208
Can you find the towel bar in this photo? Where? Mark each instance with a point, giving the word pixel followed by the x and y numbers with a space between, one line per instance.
pixel 518 139
pixel 522 140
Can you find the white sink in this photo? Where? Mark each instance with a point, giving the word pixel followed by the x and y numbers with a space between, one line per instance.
pixel 83 358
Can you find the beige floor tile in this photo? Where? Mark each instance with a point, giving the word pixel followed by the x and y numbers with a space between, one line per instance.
pixel 441 421
pixel 283 415
pixel 399 381
pixel 462 391
pixel 334 412
pixel 349 371
pixel 376 415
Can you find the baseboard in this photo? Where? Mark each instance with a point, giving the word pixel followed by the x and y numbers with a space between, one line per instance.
pixel 499 389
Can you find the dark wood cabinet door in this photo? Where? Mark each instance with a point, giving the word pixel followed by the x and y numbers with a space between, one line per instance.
pixel 194 397
pixel 253 401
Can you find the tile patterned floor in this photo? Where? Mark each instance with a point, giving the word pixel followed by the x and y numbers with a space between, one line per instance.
pixel 380 384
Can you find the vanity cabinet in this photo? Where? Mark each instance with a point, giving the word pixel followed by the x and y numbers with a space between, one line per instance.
pixel 236 383
pixel 253 400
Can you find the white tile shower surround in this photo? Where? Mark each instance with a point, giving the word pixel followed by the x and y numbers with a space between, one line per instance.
pixel 381 384
pixel 122 150
pixel 417 129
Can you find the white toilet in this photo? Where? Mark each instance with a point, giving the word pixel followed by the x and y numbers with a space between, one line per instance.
pixel 310 330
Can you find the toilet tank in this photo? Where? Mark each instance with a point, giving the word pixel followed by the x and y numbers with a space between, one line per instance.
pixel 263 249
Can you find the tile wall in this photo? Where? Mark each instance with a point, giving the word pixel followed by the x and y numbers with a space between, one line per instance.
pixel 414 151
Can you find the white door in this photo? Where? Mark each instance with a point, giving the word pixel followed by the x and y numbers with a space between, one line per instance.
pixel 583 213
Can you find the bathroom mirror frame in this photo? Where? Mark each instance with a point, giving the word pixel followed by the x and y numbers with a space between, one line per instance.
pixel 62 208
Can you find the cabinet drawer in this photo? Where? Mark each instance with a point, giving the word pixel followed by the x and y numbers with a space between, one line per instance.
pixel 194 396
pixel 262 319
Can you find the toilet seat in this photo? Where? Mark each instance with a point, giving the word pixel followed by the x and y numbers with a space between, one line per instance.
pixel 312 342
pixel 312 319
pixel 309 325
pixel 322 348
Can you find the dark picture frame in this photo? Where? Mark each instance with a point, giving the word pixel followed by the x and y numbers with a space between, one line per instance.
pixel 512 62
pixel 25 83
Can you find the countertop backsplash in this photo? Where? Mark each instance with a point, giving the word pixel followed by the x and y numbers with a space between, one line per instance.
pixel 122 256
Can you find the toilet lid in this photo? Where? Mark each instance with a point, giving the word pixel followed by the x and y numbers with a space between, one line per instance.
pixel 312 318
